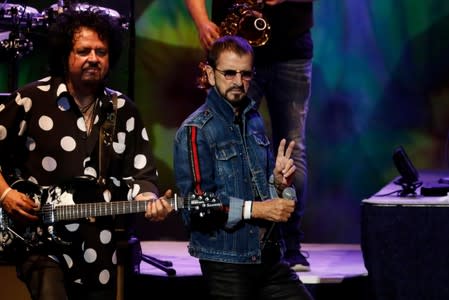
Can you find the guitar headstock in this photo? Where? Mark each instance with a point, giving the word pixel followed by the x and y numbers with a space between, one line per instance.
pixel 204 204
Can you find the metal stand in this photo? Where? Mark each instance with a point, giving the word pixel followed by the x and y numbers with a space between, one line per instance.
pixel 136 256
pixel 163 265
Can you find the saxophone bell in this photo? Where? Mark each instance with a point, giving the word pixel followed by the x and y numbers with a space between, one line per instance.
pixel 247 21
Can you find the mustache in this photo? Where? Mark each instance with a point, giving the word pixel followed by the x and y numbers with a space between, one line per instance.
pixel 92 65
pixel 236 88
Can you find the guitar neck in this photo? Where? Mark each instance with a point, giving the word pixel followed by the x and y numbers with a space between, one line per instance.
pixel 98 209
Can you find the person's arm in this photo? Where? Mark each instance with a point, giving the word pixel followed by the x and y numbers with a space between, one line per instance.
pixel 274 2
pixel 198 11
pixel 279 208
pixel 16 204
pixel 208 31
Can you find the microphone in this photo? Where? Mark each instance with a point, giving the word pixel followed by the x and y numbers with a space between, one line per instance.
pixel 287 193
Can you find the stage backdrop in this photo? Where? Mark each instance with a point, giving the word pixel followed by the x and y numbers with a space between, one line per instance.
pixel 380 79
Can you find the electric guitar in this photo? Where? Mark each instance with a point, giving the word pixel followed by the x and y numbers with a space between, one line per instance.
pixel 59 203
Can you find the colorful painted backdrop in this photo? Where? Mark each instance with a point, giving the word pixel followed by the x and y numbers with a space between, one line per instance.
pixel 380 79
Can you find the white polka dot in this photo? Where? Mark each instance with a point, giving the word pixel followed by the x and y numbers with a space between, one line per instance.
pixel 140 161
pixel 2 107
pixel 68 261
pixel 30 144
pixel 3 132
pixel 121 136
pixel 107 195
pixel 22 127
pixel 105 236
pixel 49 164
pixel 68 143
pixel 32 179
pixel 145 134
pixel 80 124
pixel 44 88
pixel 90 255
pixel 61 89
pixel 114 257
pixel 104 276
pixel 97 118
pixel 72 227
pixel 45 79
pixel 119 148
pixel 115 181
pixel 130 124
pixel 25 102
pixel 45 123
pixel 64 104
pixel 90 171
pixel 85 161
pixel 120 102
pixel 136 190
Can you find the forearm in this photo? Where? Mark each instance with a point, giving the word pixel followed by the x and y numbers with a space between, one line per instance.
pixel 4 188
pixel 301 1
pixel 198 11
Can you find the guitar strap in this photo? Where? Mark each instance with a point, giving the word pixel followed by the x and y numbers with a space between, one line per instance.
pixel 105 141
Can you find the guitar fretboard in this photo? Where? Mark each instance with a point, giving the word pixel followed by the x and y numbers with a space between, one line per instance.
pixel 97 209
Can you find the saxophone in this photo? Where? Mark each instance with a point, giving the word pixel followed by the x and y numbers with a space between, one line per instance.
pixel 246 20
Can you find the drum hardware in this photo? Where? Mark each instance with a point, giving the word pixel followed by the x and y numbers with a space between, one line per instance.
pixel 16 15
pixel 17 45
pixel 50 14
pixel 19 19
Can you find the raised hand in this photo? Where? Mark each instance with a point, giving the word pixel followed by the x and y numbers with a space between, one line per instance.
pixel 285 168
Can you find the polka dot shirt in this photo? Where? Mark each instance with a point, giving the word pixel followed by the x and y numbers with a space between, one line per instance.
pixel 43 138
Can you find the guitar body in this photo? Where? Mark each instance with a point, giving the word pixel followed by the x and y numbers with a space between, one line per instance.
pixel 49 234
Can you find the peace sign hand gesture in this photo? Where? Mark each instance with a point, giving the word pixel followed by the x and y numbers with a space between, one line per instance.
pixel 285 168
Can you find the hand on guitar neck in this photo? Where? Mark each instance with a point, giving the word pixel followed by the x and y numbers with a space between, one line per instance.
pixel 159 208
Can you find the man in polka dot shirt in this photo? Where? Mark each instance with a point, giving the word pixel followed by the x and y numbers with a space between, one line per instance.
pixel 49 134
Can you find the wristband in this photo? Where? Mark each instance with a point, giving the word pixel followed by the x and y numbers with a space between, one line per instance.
pixel 5 192
pixel 247 209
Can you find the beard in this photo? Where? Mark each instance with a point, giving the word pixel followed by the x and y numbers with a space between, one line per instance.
pixel 235 95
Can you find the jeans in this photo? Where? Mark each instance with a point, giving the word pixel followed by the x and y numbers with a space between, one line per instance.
pixel 287 89
pixel 269 280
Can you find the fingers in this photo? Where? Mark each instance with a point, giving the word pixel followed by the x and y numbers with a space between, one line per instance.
pixel 20 207
pixel 285 153
pixel 159 209
pixel 278 210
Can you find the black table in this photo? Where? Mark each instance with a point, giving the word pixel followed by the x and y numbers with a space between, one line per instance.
pixel 405 243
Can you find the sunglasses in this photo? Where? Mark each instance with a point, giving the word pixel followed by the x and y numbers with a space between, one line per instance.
pixel 230 74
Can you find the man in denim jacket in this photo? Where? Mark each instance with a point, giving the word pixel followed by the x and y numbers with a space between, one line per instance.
pixel 223 149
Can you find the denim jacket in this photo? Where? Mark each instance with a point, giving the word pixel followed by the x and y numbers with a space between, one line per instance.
pixel 235 167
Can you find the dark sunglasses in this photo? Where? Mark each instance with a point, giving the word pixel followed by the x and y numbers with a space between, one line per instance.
pixel 230 74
